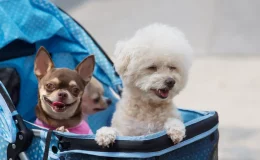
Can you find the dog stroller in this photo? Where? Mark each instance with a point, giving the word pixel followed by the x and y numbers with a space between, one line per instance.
pixel 28 24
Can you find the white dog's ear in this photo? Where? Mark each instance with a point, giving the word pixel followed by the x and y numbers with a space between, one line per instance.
pixel 122 57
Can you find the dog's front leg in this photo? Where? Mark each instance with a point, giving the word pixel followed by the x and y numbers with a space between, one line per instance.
pixel 175 128
pixel 106 136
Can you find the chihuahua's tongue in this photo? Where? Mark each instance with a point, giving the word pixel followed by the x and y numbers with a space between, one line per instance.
pixel 58 104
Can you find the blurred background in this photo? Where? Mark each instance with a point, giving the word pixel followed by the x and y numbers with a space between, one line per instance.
pixel 225 75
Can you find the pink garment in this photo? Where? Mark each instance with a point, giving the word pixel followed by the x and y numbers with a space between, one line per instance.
pixel 82 128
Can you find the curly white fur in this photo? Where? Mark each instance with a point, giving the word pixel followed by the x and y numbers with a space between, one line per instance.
pixel 144 62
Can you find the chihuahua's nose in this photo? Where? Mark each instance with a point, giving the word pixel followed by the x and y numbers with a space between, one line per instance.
pixel 108 101
pixel 169 82
pixel 63 95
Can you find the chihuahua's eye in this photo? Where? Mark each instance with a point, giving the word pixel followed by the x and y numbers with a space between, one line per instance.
pixel 172 68
pixel 50 86
pixel 96 100
pixel 152 68
pixel 75 90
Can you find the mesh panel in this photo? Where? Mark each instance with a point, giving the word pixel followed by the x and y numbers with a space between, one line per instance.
pixel 3 148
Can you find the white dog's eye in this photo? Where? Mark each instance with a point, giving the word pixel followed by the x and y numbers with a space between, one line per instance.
pixel 172 68
pixel 152 68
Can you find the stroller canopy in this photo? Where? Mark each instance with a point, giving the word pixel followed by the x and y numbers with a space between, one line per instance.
pixel 28 24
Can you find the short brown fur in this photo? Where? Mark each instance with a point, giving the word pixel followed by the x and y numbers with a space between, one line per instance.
pixel 45 72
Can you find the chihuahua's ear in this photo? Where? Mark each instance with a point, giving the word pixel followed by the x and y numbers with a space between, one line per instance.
pixel 42 63
pixel 86 67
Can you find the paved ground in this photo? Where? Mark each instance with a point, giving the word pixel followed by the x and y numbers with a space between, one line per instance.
pixel 227 84
pixel 230 86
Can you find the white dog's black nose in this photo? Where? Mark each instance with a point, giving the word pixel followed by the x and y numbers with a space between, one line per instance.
pixel 169 82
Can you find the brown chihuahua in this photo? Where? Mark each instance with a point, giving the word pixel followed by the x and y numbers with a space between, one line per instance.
pixel 60 92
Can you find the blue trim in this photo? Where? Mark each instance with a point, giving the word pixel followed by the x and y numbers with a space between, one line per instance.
pixel 144 155
pixel 146 137
pixel 14 113
pixel 199 119
pixel 193 111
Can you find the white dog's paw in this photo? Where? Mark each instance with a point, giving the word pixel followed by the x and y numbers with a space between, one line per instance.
pixel 62 129
pixel 106 136
pixel 175 130
pixel 176 135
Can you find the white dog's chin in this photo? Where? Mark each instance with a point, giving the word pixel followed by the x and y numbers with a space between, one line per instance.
pixel 161 93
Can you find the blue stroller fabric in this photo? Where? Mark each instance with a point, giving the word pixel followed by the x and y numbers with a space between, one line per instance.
pixel 28 24
pixel 41 23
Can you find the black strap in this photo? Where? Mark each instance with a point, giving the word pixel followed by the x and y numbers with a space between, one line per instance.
pixel 17 48
pixel 47 145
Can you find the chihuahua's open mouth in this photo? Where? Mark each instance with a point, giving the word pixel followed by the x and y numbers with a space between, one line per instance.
pixel 162 93
pixel 57 105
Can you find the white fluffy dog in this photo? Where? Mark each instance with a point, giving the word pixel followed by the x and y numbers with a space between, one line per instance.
pixel 154 67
